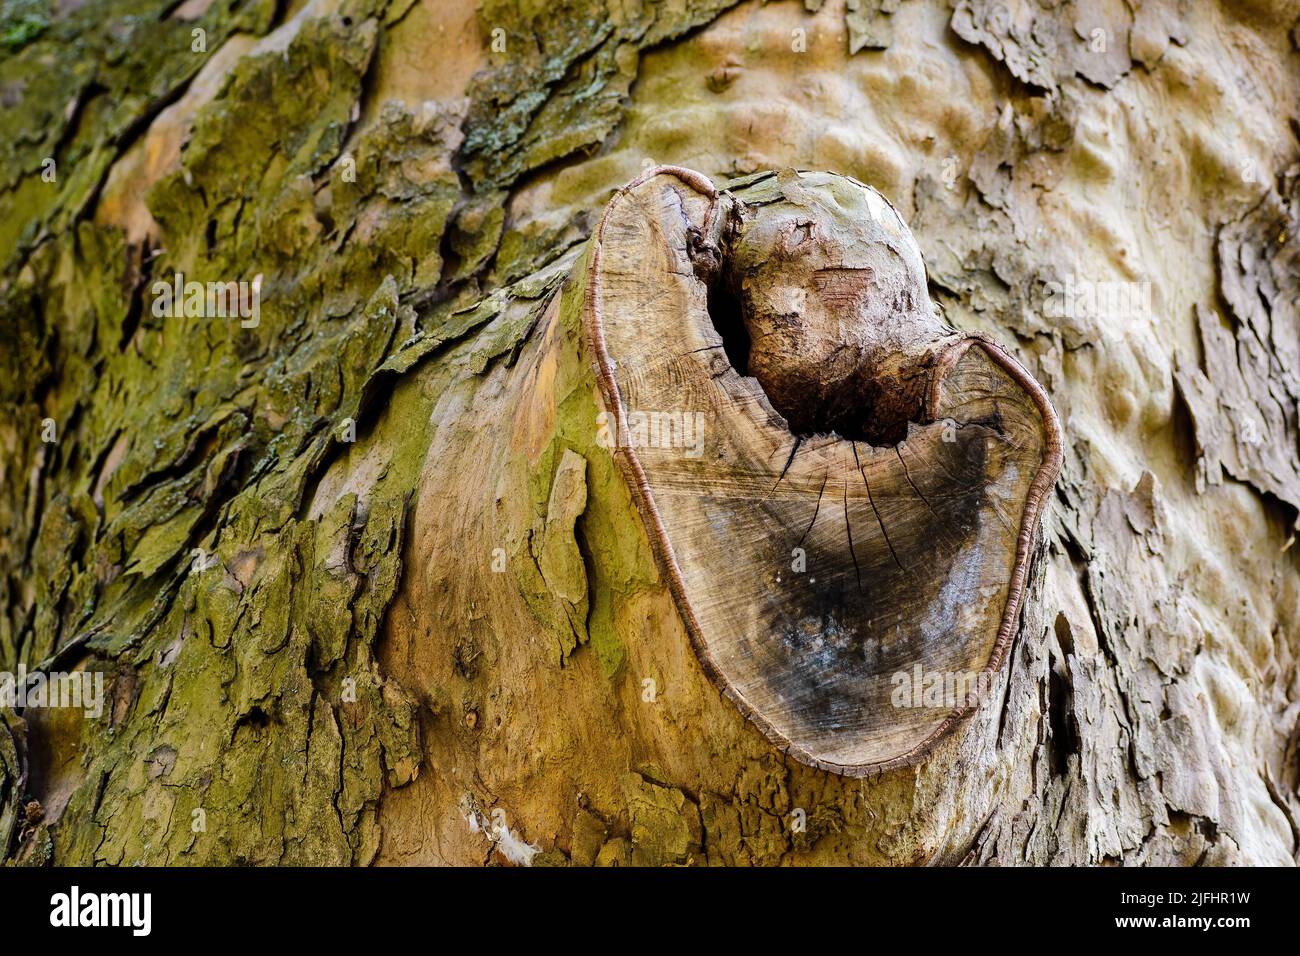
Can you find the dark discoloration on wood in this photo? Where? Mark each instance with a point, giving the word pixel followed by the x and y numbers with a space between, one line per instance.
pixel 834 644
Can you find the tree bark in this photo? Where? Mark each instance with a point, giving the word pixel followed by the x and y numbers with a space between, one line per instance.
pixel 385 574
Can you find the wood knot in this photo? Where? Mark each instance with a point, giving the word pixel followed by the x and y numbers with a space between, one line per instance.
pixel 854 519
pixel 824 294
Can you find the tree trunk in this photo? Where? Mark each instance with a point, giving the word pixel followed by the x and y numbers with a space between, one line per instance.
pixel 480 507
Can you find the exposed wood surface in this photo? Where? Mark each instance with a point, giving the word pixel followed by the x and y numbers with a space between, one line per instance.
pixel 813 569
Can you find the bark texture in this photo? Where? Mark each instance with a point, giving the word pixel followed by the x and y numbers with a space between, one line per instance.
pixel 435 630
